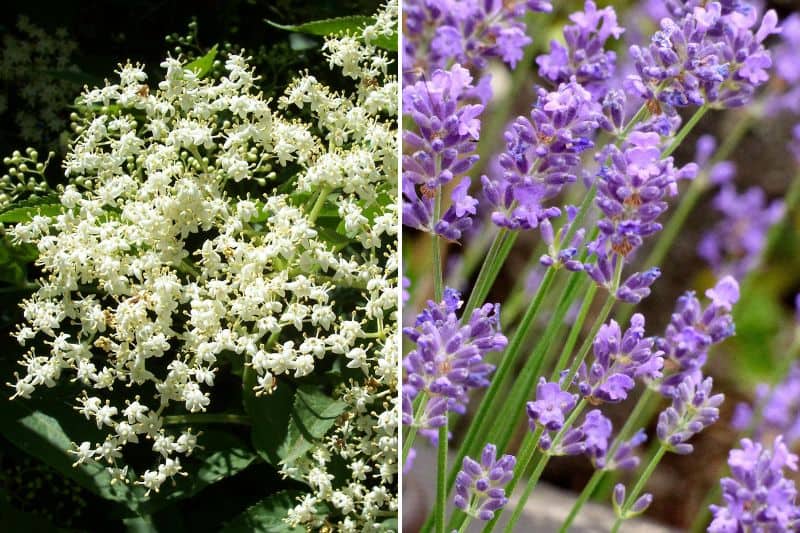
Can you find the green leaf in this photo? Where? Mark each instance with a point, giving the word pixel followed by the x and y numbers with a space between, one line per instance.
pixel 202 65
pixel 45 438
pixel 270 415
pixel 25 210
pixel 352 24
pixel 266 516
pixel 223 455
pixel 313 414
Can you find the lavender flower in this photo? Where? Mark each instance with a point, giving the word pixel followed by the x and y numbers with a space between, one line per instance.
pixel 719 172
pixel 693 330
pixel 584 57
pixel 591 438
pixel 551 406
pixel 787 68
pixel 630 191
pixel 479 486
pixel 542 155
pixel 442 149
pixel 639 506
pixel 758 496
pixel 633 290
pixel 624 458
pixel 619 359
pixel 778 408
pixel 707 53
pixel 693 409
pixel 438 32
pixel 735 244
pixel 448 359
pixel 557 255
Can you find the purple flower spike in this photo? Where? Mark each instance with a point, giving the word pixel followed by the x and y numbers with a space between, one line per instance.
pixel 551 406
pixel 631 189
pixel 441 148
pixel 584 56
pixel 624 458
pixel 556 255
pixel 618 360
pixel 468 33
pixel 448 359
pixel 479 486
pixel 693 409
pixel 758 496
pixel 704 54
pixel 542 155
pixel 735 244
pixel 779 407
pixel 694 329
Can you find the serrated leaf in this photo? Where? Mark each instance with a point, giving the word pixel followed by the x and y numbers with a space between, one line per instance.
pixel 25 210
pixel 266 516
pixel 202 65
pixel 313 414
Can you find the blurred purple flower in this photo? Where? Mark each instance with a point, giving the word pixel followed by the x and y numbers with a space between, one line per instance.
pixel 438 33
pixel 735 244
pixel 758 496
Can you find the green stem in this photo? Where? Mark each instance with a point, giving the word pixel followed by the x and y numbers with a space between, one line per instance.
pixel 525 455
pixel 514 405
pixel 487 405
pixel 574 332
pixel 441 480
pixel 484 282
pixel 207 418
pixel 640 483
pixel 541 464
pixel 586 493
pixel 684 131
pixel 315 210
pixel 408 439
pixel 438 280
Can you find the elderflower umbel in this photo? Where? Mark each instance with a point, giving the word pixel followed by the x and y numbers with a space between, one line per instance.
pixel 157 268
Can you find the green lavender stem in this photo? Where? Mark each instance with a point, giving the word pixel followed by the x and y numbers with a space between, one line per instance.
pixel 441 480
pixel 514 405
pixel 411 432
pixel 506 364
pixel 438 290
pixel 585 494
pixel 539 469
pixel 601 475
pixel 491 263
pixel 640 483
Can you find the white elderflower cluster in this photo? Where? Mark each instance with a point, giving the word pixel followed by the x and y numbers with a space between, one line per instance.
pixel 160 270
